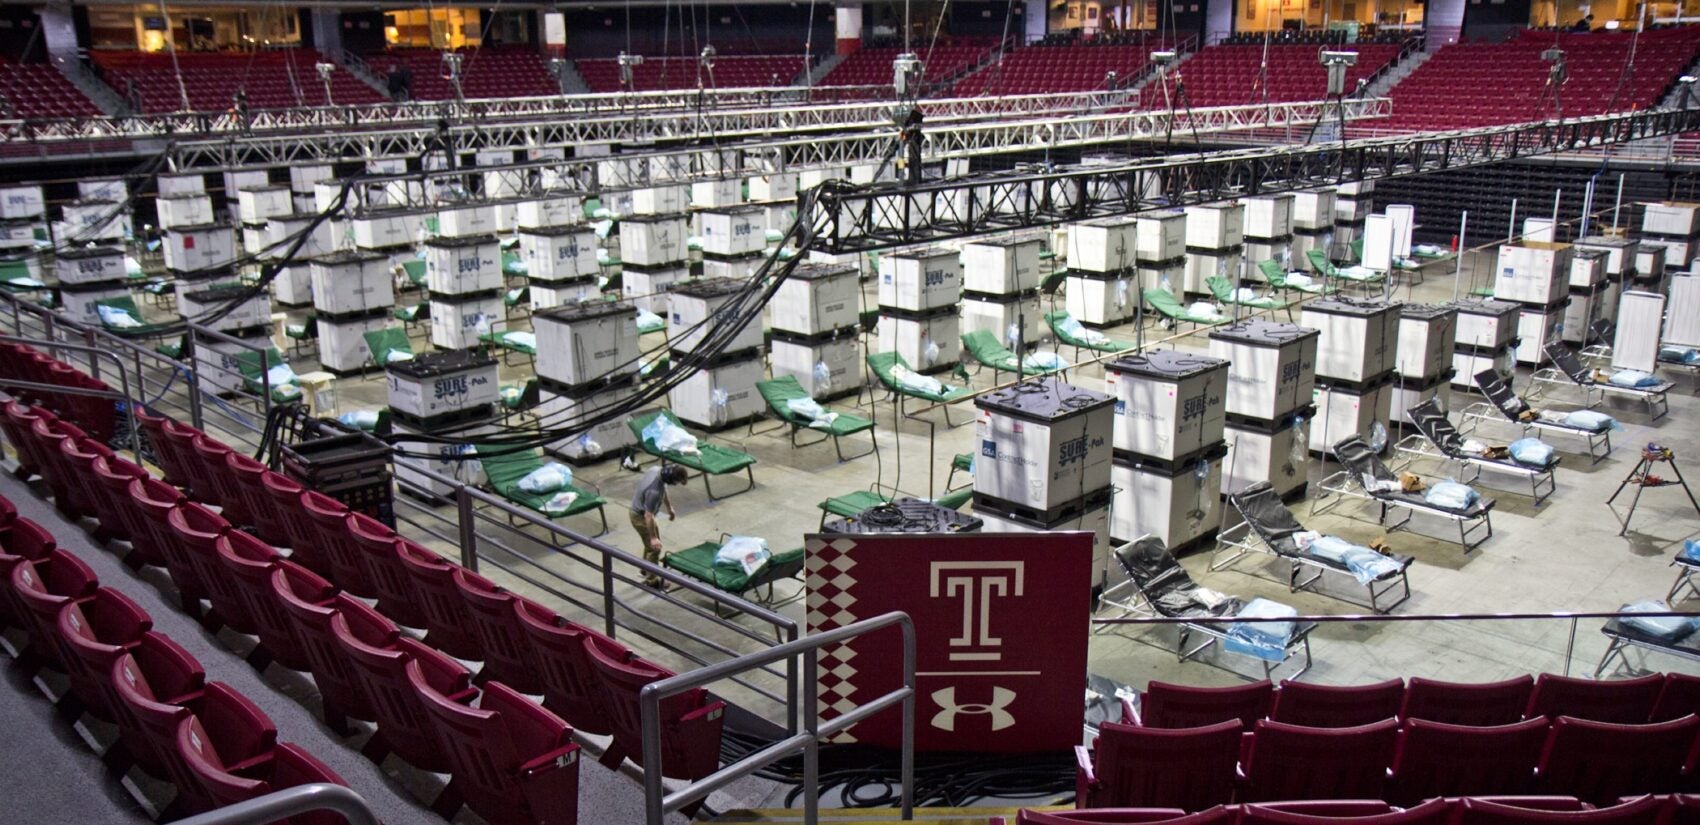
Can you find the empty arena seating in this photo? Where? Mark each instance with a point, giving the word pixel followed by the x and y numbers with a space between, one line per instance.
pixel 1504 810
pixel 487 72
pixel 871 66
pixel 39 90
pixel 657 73
pixel 1447 92
pixel 1228 75
pixel 212 79
pixel 1194 748
pixel 1039 69
pixel 511 757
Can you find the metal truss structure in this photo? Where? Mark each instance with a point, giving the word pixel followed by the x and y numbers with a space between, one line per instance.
pixel 845 219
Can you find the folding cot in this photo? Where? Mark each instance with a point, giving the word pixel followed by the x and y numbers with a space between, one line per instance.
pixel 988 351
pixel 1270 527
pixel 1364 475
pixel 1174 313
pixel 505 468
pixel 1057 321
pixel 1514 409
pixel 884 364
pixel 1568 368
pixel 710 460
pixel 1623 637
pixel 778 392
pixel 698 563
pixel 1437 438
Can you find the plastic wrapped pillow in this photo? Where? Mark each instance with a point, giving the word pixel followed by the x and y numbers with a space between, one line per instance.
pixel 1299 279
pixel 1531 451
pixel 559 503
pixel 1474 446
pixel 805 408
pixel 280 375
pixel 1451 495
pixel 1591 420
pixel 548 478
pixel 286 393
pixel 117 318
pixel 1691 549
pixel 746 553
pixel 669 436
pixel 648 321
pixel 359 419
pixel 911 380
pixel 1044 361
pixel 395 355
pixel 1204 308
pixel 1633 379
pixel 510 395
pixel 1244 295
pixel 1264 640
pixel 1380 485
pixel 1364 564
pixel 1669 628
pixel 1679 355
pixel 521 339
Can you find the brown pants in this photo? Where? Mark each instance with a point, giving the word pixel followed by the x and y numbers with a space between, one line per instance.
pixel 650 554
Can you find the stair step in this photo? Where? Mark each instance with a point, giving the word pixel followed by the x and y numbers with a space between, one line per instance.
pixel 873 816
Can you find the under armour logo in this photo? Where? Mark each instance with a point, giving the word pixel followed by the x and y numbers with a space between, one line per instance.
pixel 945 719
pixel 976 584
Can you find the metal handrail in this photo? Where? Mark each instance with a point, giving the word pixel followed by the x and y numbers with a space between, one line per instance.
pixel 277 805
pixel 94 355
pixel 658 803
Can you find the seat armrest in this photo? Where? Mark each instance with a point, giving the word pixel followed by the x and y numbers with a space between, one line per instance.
pixel 1130 714
pixel 552 760
pixel 1085 779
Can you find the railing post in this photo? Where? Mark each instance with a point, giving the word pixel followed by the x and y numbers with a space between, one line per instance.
pixel 811 749
pixel 907 770
pixel 608 595
pixel 468 530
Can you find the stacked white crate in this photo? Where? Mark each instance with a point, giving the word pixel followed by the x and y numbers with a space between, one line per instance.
pixel 1486 339
pixel 1102 257
pixel 463 276
pixel 1271 379
pixel 1270 224
pixel 653 257
pixel 22 211
pixel 1313 227
pixel 1423 368
pixel 1356 353
pixel 587 360
pixel 200 254
pixel 353 292
pixel 1043 462
pixel 1620 268
pixel 919 290
pixel 1168 426
pixel 815 314
pixel 435 393
pixel 91 221
pixel 1675 226
pixel 734 239
pixel 293 285
pixel 1000 289
pixel 88 274
pixel 560 264
pixel 1587 292
pixel 1215 245
pixel 1536 276
pixel 722 392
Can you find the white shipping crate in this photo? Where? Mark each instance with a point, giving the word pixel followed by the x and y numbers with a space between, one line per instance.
pixel 1095 520
pixel 457 266
pixel 1427 337
pixel 1409 394
pixel 90 265
pixel 191 184
pixel 1353 189
pixel 1268 216
pixel 578 344
pixel 444 460
pixel 437 384
pixel 352 282
pixel 711 194
pixel 303 178
pixel 386 166
pixel 1587 268
pixel 194 248
pixel 567 407
pixel 1359 339
pixel 1001 266
pixel 1000 315
pixel 817 298
pixel 546 294
pixel 1101 301
pixel 1342 413
pixel 1674 218
pixel 260 205
pixel 1201 266
pixel 1486 324
pixel 293 286
pixel 1620 252
pixel 342 341
pixel 457 321
pixel 102 189
pixel 1104 245
pixel 920 280
pixel 1313 210
pixel 660 200
pixel 1179 507
pixel 1215 226
pixel 1467 362
pixel 1160 236
pixel 928 343
pixel 1404 217
pixel 466 221
pixel 558 253
pixel 1168 404
pixel 773 186
pixel 1536 327
pixel 827 366
pixel 252 312
pixel 1682 322
pixel 1540 229
pixel 1580 315
pixel 695 310
pixel 1679 253
pixel 722 394
pixel 653 241
pixel 741 267
pixel 216 366
pixel 184 210
pixel 92 221
pixel 1351 210
pixel 80 302
pixel 1277 452
pixel 387 228
pixel 322 240
pixel 648 287
pixel 17 235
pixel 733 231
pixel 553 210
pixel 1041 450
pixel 1532 272
pixel 1272 367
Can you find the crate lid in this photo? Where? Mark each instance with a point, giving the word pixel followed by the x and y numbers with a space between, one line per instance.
pixel 821 272
pixel 570 313
pixel 1110 223
pixel 219 294
pixel 1602 240
pixel 1167 364
pixel 442 362
pixel 677 216
pixel 1003 242
pixel 1260 333
pixel 349 256
pixel 1426 312
pixel 200 227
pixel 178 196
pixel 906 515
pixel 268 187
pixel 1043 400
pixel 923 253
pixel 707 288
pixel 93 202
pixel 1487 307
pixel 555 231
pixel 1004 298
pixel 82 252
pixel 1347 306
pixel 734 211
pixel 461 243
pixel 1589 255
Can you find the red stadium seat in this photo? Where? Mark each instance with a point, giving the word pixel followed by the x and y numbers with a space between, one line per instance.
pixel 1330 706
pixel 1679 697
pixel 1163 705
pixel 562 658
pixel 157 684
pixel 23 541
pixel 1454 703
pixel 1294 762
pixel 227 732
pixel 1128 816
pixel 1436 759
pixel 1433 812
pixel 379 657
pixel 95 633
pixel 247 563
pixel 1598 762
pixel 312 603
pixel 111 476
pixel 514 761
pixel 1624 701
pixel 378 547
pixel 1143 767
pixel 495 618
pixel 198 529
pixel 289 766
pixel 1643 811
pixel 43 587
pixel 690 722
pixel 331 537
pixel 447 618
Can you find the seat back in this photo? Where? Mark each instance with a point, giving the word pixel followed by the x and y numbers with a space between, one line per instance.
pixel 1262 509
pixel 285 496
pixel 1643 811
pixel 507 653
pixel 1436 759
pixel 156 683
pixel 1432 812
pixel 95 632
pixel 1295 762
pixel 1432 422
pixel 156 500
pixel 44 587
pixel 1566 360
pixel 24 540
pixel 447 619
pixel 78 456
pixel 489 744
pixel 311 602
pixel 1183 706
pixel 247 563
pixel 1500 393
pixel 1153 569
pixel 1187 768
pixel 559 653
pixel 690 725
pixel 111 477
pixel 377 545
pixel 227 732
pixel 1337 706
pixel 1455 703
pixel 198 530
pixel 250 489
pixel 379 656
pixel 1622 701
pixel 214 483
pixel 1126 816
pixel 1679 697
pixel 17 421
pixel 1362 462
pixel 329 518
pixel 293 766
pixel 1598 762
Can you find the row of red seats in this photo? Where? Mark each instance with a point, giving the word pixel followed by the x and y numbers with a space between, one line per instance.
pixel 212 80
pixel 38 90
pixel 657 73
pixel 1038 69
pixel 484 73
pixel 97 416
pixel 872 66
pixel 1644 810
pixel 209 740
pixel 1226 75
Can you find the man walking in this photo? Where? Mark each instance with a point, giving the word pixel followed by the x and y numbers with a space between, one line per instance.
pixel 647 502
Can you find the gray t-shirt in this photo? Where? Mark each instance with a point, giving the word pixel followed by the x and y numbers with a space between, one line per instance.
pixel 650 490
